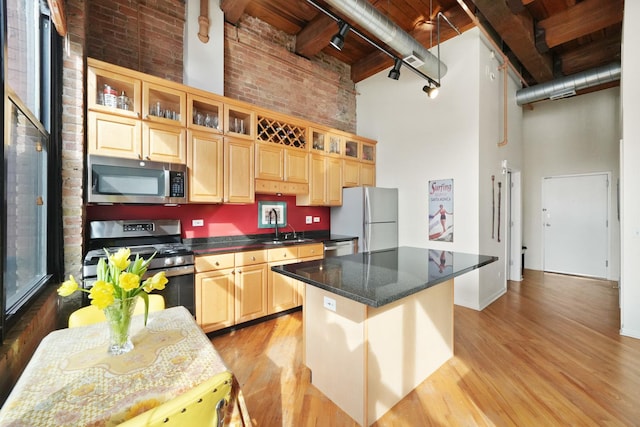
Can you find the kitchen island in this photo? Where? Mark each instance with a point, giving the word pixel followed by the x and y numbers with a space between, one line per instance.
pixel 378 324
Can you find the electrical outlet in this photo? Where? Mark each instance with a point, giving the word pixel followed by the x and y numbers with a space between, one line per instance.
pixel 316 219
pixel 329 304
pixel 308 219
pixel 197 222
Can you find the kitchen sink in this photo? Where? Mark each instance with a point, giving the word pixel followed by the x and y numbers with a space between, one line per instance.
pixel 286 241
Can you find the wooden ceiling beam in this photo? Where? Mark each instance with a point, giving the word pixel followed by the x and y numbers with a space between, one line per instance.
pixel 315 35
pixel 233 9
pixel 517 31
pixel 580 20
pixel 590 55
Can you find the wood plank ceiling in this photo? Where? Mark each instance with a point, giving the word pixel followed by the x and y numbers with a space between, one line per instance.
pixel 544 39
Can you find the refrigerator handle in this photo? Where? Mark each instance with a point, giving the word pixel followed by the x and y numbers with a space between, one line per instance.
pixel 365 237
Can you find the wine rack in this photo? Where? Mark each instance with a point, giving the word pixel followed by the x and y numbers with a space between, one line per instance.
pixel 280 132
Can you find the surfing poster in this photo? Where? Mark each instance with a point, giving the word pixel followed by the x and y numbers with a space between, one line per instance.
pixel 441 210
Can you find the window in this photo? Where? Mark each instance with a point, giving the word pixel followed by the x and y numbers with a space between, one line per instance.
pixel 31 198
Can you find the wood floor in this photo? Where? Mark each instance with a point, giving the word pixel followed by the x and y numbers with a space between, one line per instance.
pixel 548 353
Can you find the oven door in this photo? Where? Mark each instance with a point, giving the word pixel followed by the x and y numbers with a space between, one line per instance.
pixel 180 290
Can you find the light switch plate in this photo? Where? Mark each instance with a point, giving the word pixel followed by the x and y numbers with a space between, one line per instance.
pixel 316 219
pixel 309 219
pixel 197 223
pixel 329 303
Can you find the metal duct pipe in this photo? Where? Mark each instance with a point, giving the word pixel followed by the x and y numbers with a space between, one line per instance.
pixel 568 86
pixel 368 17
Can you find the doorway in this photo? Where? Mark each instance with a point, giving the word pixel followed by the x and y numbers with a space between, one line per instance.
pixel 575 224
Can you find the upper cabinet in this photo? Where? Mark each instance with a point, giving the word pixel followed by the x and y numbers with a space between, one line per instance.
pixel 232 149
pixel 133 118
pixel 239 121
pixel 204 113
pixel 282 156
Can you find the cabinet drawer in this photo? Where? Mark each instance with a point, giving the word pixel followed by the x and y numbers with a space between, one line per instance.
pixel 214 262
pixel 282 254
pixel 251 257
pixel 313 250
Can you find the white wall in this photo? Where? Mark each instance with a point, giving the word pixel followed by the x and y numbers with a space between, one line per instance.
pixel 204 62
pixel 422 139
pixel 630 172
pixel 565 137
pixel 496 146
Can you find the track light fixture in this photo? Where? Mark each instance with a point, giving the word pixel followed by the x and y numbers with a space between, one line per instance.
pixel 431 91
pixel 337 40
pixel 395 71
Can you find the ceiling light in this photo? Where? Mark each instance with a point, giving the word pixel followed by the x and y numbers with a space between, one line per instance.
pixel 395 71
pixel 431 91
pixel 337 40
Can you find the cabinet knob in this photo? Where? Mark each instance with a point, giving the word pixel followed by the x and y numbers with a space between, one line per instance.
pixel 138 114
pixel 217 264
pixel 253 258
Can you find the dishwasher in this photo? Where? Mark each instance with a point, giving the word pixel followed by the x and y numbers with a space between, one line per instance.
pixel 344 247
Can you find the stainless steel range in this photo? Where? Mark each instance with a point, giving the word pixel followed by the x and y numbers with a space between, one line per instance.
pixel 144 237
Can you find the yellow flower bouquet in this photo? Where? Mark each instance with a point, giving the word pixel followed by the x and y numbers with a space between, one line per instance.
pixel 119 283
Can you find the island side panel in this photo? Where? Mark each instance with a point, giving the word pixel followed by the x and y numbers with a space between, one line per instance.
pixel 335 350
pixel 408 340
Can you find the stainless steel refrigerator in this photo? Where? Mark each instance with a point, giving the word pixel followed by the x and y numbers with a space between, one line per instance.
pixel 371 214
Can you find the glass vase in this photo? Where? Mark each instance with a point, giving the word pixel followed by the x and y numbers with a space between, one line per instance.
pixel 118 316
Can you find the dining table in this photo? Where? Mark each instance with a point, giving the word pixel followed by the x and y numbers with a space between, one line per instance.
pixel 72 380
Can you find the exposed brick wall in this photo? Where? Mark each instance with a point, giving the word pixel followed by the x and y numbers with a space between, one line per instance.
pixel 262 68
pixel 146 36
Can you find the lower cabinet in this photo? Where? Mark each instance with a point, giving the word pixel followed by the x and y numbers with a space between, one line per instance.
pixel 233 288
pixel 251 286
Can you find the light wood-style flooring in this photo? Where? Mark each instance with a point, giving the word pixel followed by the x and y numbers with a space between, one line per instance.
pixel 548 353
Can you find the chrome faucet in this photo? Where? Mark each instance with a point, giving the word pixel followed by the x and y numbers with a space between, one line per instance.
pixel 275 213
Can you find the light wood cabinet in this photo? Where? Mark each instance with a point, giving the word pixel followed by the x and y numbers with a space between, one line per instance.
pixel 205 167
pixel 113 135
pixel 132 118
pixel 164 104
pixel 281 155
pixel 350 173
pixel 251 292
pixel 215 291
pixel 334 182
pixel 238 171
pixel 164 143
pixel 368 174
pixel 269 162
pixel 239 121
pixel 285 292
pixel 251 285
pixel 282 290
pixel 233 288
pixel 139 116
pixel 205 113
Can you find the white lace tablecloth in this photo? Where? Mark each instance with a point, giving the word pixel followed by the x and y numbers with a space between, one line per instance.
pixel 71 380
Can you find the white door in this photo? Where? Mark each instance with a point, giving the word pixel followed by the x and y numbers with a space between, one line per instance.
pixel 575 223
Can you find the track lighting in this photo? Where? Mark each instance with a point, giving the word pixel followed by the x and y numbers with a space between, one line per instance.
pixel 431 91
pixel 337 40
pixel 395 71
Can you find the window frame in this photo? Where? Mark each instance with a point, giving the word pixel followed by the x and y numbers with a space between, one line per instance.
pixel 50 104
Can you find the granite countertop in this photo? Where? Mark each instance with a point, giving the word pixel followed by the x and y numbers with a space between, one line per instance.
pixel 215 245
pixel 381 277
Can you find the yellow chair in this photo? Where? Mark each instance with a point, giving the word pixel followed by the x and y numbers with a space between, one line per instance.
pixel 202 406
pixel 91 314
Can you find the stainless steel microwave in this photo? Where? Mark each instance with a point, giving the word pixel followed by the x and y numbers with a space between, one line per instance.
pixel 119 180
